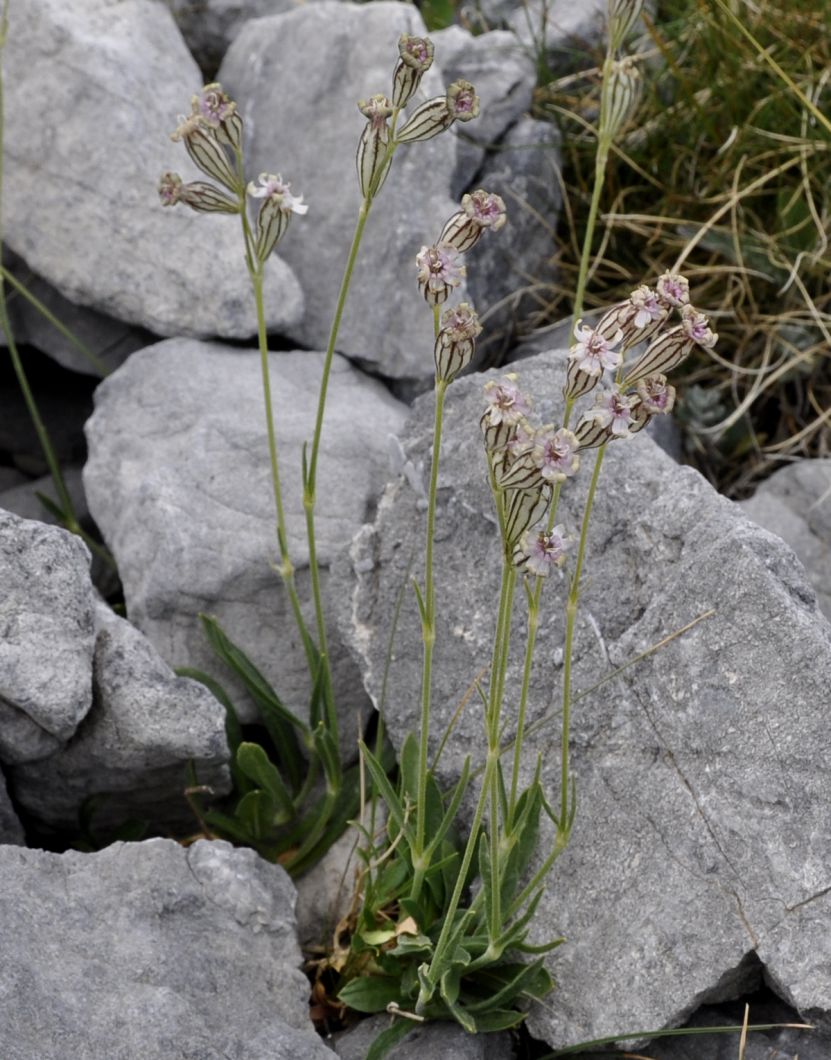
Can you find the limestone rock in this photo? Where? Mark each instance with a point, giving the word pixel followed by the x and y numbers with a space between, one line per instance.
pixel 178 480
pixel 701 835
pixel 795 503
pixel 151 950
pixel 93 88
pixel 300 106
pixel 48 637
pixel 132 750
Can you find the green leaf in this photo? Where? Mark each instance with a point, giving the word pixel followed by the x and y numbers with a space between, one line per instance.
pixel 326 749
pixel 389 1038
pixel 510 981
pixel 394 805
pixel 224 825
pixel 409 768
pixel 256 812
pixel 496 1020
pixel 371 993
pixel 255 764
pixel 279 721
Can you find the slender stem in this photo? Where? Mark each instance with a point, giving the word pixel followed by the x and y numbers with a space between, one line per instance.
pixel 571 616
pixel 428 633
pixel 286 568
pixel 533 621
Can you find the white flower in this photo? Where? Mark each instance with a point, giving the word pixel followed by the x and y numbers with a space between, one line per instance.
pixel 279 191
pixel 593 352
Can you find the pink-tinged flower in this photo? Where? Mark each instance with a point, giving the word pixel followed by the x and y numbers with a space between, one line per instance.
pixel 416 52
pixel 188 125
pixel 170 189
pixel 506 402
pixel 593 352
pixel 455 342
pixel 674 289
pixel 273 188
pixel 697 327
pixel 555 453
pixel 213 105
pixel 480 210
pixel 376 109
pixel 613 412
pixel 657 397
pixel 439 272
pixel 647 306
pixel 539 552
pixel 486 208
pixel 462 101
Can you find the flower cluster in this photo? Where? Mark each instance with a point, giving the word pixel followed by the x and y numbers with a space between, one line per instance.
pixel 440 271
pixel 641 390
pixel 212 135
pixel 380 138
pixel 525 462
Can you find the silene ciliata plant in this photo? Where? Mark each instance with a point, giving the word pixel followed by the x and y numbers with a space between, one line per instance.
pixel 450 884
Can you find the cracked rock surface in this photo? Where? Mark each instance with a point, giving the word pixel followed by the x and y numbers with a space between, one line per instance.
pixel 178 480
pixel 151 950
pixel 702 780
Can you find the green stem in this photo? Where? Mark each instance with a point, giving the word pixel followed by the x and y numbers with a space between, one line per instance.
pixel 571 617
pixel 428 634
pixel 533 621
pixel 286 567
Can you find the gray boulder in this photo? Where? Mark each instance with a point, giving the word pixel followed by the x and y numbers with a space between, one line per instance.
pixel 48 637
pixel 701 835
pixel 300 106
pixel 179 482
pixel 795 503
pixel 209 26
pixel 504 75
pixel 133 748
pixel 109 341
pixel 151 950
pixel 93 88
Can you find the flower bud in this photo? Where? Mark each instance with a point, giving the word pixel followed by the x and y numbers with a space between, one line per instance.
pixel 578 382
pixel 459 104
pixel 170 188
pixel 589 433
pixel 653 397
pixel 207 152
pixel 456 341
pixel 663 354
pixel 521 473
pixel 439 272
pixel 416 57
pixel 697 327
pixel 480 210
pixel 623 95
pixel 205 198
pixel 622 16
pixel 462 101
pixel 673 289
pixel 426 121
pixel 372 158
pixel 275 213
pixel 218 110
